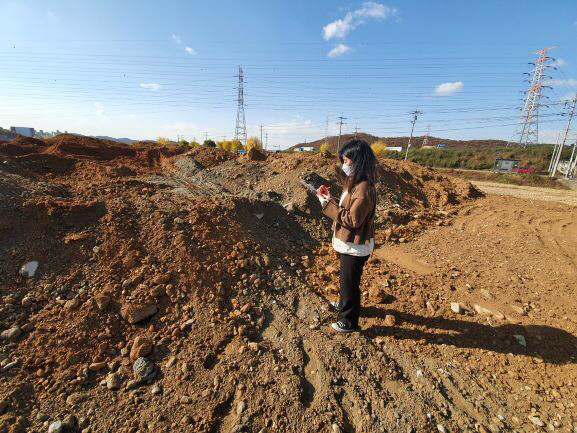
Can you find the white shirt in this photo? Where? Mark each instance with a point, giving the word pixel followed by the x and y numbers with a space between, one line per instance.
pixel 359 250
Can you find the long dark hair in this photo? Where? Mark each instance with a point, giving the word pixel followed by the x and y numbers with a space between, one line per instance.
pixel 363 163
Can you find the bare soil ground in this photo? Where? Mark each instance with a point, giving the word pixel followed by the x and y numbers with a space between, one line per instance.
pixel 188 292
pixel 532 180
pixel 531 193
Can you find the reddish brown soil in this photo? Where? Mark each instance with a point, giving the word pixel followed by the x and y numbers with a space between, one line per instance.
pixel 235 256
pixel 255 154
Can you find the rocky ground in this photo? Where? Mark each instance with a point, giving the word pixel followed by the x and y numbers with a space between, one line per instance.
pixel 187 291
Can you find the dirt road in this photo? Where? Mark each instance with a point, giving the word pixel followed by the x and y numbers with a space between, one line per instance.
pixel 528 192
pixel 507 355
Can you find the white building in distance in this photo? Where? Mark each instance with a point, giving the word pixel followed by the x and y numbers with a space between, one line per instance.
pixel 22 130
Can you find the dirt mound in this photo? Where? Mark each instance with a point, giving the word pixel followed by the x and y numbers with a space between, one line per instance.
pixel 157 155
pixel 22 146
pixel 45 163
pixel 414 185
pixel 28 141
pixel 211 156
pixel 255 154
pixel 89 148
pixel 81 146
pixel 217 270
pixel 18 149
pixel 404 189
pixel 82 140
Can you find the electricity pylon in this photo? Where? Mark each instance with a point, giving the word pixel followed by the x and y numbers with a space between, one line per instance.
pixel 240 130
pixel 528 129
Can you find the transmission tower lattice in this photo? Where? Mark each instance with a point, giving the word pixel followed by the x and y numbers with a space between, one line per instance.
pixel 240 130
pixel 528 129
pixel 426 138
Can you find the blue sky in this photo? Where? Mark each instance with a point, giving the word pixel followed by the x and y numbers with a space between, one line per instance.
pixel 144 69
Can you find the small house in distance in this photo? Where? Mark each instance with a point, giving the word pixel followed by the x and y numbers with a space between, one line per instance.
pixel 394 148
pixel 442 146
pixel 305 149
pixel 506 165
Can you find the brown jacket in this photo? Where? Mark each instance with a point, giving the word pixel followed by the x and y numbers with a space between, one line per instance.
pixel 355 220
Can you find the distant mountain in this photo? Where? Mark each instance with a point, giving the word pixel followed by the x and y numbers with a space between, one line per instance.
pixel 119 140
pixel 416 142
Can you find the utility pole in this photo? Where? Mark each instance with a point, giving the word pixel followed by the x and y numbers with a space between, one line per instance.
pixel 240 130
pixel 528 129
pixel 205 136
pixel 266 138
pixel 571 166
pixel 571 113
pixel 415 115
pixel 356 130
pixel 341 118
pixel 261 134
pixel 554 155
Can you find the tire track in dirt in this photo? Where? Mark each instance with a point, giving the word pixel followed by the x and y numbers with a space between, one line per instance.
pixel 340 372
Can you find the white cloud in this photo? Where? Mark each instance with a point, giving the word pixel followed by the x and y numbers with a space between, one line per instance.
pixel 559 62
pixel 447 89
pixel 150 86
pixel 339 50
pixel 336 29
pixel 571 82
pixel 99 109
pixel 132 116
pixel 339 28
pixel 178 40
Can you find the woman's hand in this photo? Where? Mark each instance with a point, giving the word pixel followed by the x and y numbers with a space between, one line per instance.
pixel 324 192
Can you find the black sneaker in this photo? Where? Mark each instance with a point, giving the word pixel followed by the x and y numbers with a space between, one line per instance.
pixel 343 327
pixel 334 305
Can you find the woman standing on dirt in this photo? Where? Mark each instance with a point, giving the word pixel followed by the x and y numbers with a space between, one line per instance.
pixel 354 228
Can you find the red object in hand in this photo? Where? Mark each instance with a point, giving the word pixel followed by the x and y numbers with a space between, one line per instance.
pixel 323 191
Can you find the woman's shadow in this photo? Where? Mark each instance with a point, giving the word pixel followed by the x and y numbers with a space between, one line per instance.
pixel 551 344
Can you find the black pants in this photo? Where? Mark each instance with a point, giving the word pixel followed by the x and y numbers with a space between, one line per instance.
pixel 351 270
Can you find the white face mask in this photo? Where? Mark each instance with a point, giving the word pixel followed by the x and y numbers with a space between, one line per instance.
pixel 348 169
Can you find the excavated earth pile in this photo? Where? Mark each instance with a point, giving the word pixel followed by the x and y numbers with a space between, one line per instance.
pixel 166 289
